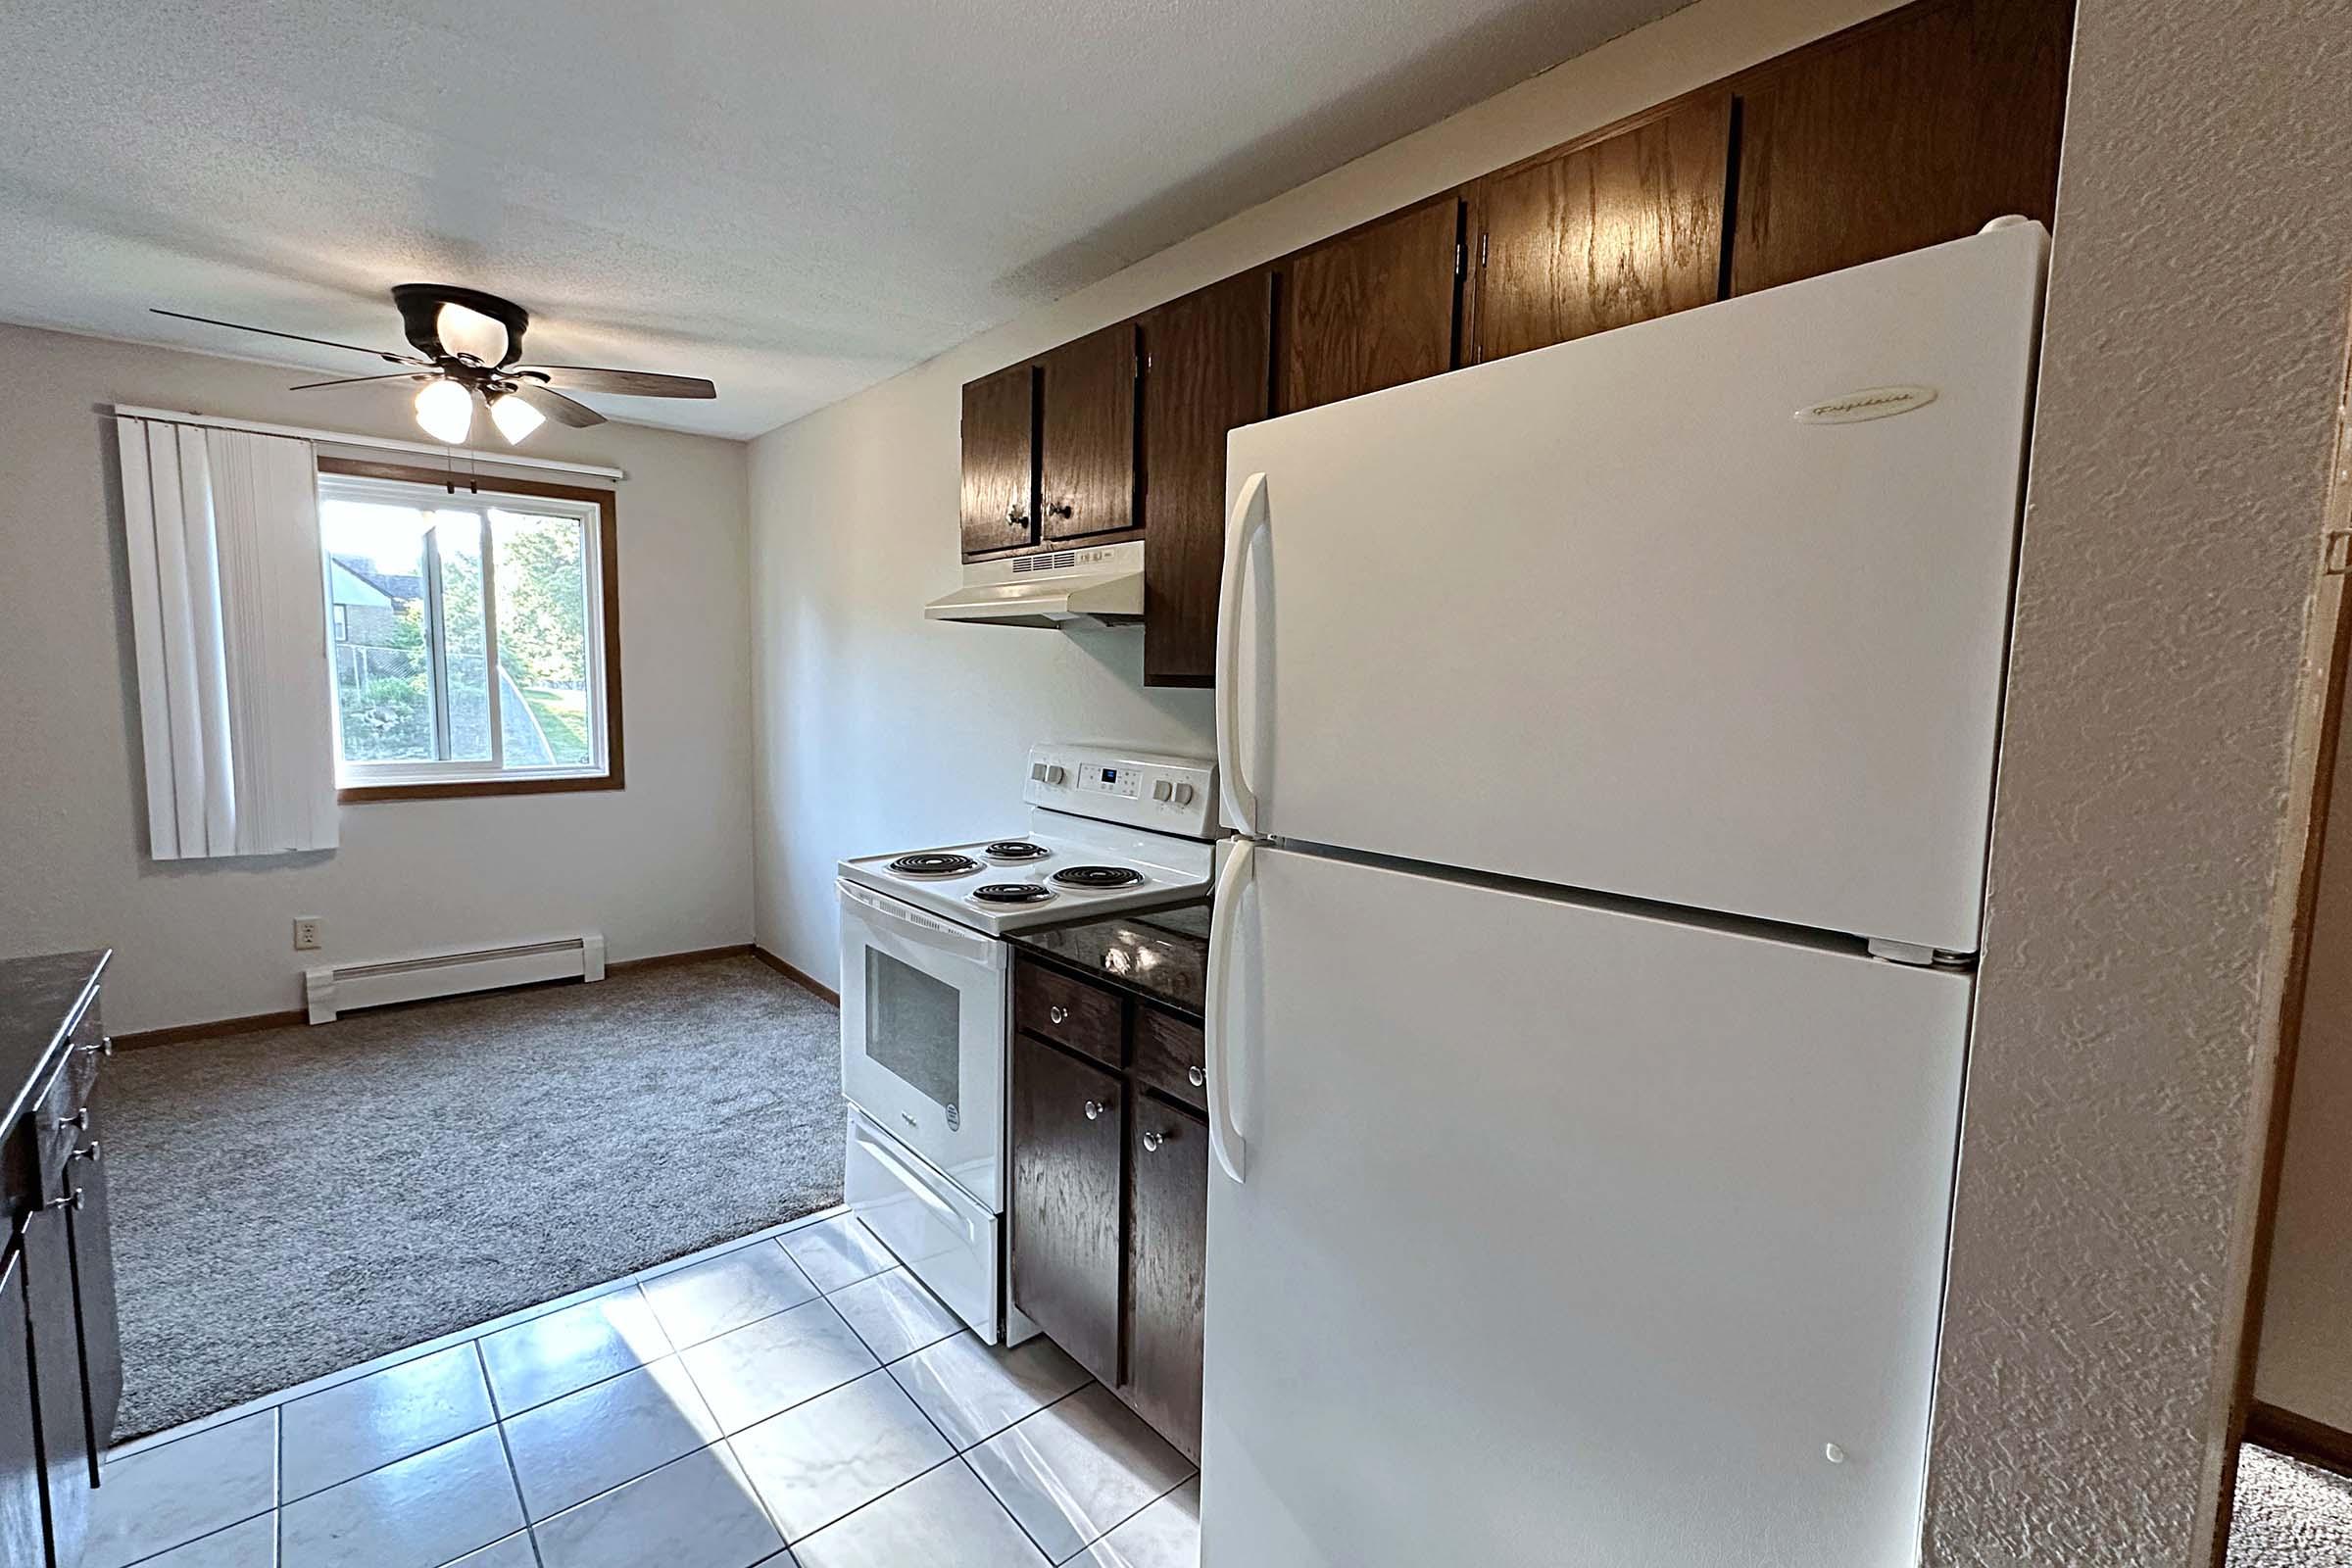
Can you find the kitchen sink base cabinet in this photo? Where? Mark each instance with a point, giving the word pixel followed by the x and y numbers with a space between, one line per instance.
pixel 1109 1204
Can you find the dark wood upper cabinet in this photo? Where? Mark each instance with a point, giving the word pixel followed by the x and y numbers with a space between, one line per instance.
pixel 1086 435
pixel 1167 1267
pixel 1374 308
pixel 1066 1154
pixel 1910 131
pixel 999 460
pixel 95 1310
pixel 1602 235
pixel 1206 372
pixel 21 1537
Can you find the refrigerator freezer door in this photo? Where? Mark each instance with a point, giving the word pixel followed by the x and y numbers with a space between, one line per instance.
pixel 1570 1236
pixel 1709 610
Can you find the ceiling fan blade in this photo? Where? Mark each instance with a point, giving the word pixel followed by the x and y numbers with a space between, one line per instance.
pixel 322 342
pixel 633 384
pixel 359 381
pixel 559 407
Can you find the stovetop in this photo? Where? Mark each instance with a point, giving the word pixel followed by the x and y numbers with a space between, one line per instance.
pixel 1063 868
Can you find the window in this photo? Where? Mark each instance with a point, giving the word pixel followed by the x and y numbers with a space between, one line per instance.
pixel 475 643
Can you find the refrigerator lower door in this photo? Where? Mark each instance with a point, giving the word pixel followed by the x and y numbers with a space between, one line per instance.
pixel 1569 1235
pixel 1709 610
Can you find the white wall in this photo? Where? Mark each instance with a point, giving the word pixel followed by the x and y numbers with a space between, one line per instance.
pixel 2305 1363
pixel 660 867
pixel 2146 831
pixel 877 730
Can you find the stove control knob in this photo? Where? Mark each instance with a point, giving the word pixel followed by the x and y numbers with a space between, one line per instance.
pixel 1055 775
pixel 1184 795
pixel 1162 790
pixel 1037 771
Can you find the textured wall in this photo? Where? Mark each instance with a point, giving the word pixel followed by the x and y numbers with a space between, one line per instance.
pixel 2193 362
pixel 658 867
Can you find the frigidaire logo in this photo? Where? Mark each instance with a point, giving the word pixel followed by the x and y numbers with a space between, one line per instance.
pixel 1871 403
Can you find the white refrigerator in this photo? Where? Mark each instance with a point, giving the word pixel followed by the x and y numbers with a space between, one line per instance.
pixel 1610 731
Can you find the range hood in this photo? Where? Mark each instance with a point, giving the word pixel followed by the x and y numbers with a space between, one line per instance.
pixel 1098 585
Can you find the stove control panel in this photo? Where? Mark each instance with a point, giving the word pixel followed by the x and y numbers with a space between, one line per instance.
pixel 1166 793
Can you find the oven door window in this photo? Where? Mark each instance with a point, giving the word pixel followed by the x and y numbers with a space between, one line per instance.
pixel 913 1028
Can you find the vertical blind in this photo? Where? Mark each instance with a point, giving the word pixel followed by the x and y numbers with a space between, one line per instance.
pixel 229 615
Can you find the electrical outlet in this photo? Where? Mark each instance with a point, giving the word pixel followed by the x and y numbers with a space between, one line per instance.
pixel 307 929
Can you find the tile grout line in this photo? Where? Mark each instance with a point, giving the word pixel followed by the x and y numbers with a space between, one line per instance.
pixel 522 1505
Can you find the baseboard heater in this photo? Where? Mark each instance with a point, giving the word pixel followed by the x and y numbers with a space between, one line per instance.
pixel 345 987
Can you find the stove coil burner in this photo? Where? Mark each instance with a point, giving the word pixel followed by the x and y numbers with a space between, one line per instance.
pixel 1012 893
pixel 1015 851
pixel 934 864
pixel 1099 876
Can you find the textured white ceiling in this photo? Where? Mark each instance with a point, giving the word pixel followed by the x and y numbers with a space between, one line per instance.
pixel 796 200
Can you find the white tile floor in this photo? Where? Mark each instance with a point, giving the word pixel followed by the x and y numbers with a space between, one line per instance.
pixel 791 1399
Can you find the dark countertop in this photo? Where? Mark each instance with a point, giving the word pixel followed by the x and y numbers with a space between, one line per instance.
pixel 1158 955
pixel 39 999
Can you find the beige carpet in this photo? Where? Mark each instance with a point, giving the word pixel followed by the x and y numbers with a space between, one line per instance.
pixel 293 1201
pixel 2289 1515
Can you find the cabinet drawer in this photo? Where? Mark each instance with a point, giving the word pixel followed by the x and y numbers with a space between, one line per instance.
pixel 57 1120
pixel 1169 1056
pixel 85 1045
pixel 1052 1006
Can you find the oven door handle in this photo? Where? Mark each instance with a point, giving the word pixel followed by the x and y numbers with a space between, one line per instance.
pixel 916 926
pixel 916 1186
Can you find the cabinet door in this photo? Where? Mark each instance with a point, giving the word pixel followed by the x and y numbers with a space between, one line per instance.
pixel 1372 308
pixel 20 1449
pixel 1086 435
pixel 94 1308
pixel 1912 132
pixel 1206 371
pixel 1067 1149
pixel 1167 1262
pixel 63 1424
pixel 1616 232
pixel 1000 472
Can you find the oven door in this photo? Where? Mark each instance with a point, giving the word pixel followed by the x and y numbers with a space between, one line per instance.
pixel 923 1008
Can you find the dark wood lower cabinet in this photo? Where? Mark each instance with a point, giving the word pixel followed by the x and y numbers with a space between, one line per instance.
pixel 1110 1211
pixel 1167 1269
pixel 97 1320
pixel 21 1537
pixel 1066 1202
pixel 59 1423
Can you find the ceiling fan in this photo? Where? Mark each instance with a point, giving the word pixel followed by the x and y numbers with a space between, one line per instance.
pixel 468 347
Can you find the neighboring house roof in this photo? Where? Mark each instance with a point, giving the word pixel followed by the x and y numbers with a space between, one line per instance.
pixel 393 586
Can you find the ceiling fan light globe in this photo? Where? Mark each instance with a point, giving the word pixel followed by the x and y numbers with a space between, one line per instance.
pixel 516 419
pixel 445 412
pixel 470 334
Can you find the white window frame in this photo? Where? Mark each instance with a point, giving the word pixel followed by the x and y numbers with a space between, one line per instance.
pixel 361 775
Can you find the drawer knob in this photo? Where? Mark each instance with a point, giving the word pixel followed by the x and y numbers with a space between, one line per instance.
pixel 104 1047
pixel 73 1203
pixel 79 1121
pixel 89 1153
pixel 1152 1141
pixel 1198 1075
pixel 1095 1109
pixel 1058 1014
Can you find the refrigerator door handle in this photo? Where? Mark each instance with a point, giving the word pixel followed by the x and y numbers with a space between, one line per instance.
pixel 1242 529
pixel 1225 1140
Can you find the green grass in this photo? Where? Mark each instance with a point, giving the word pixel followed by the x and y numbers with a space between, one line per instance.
pixel 564 720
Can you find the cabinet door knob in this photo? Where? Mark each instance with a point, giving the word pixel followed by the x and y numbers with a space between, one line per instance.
pixel 1095 1109
pixel 1152 1141
pixel 1058 1014
pixel 90 1152
pixel 79 1121
pixel 1014 513
pixel 1061 508
pixel 1198 1075
pixel 73 1203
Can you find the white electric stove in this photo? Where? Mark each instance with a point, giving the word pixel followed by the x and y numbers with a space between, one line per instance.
pixel 926 995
